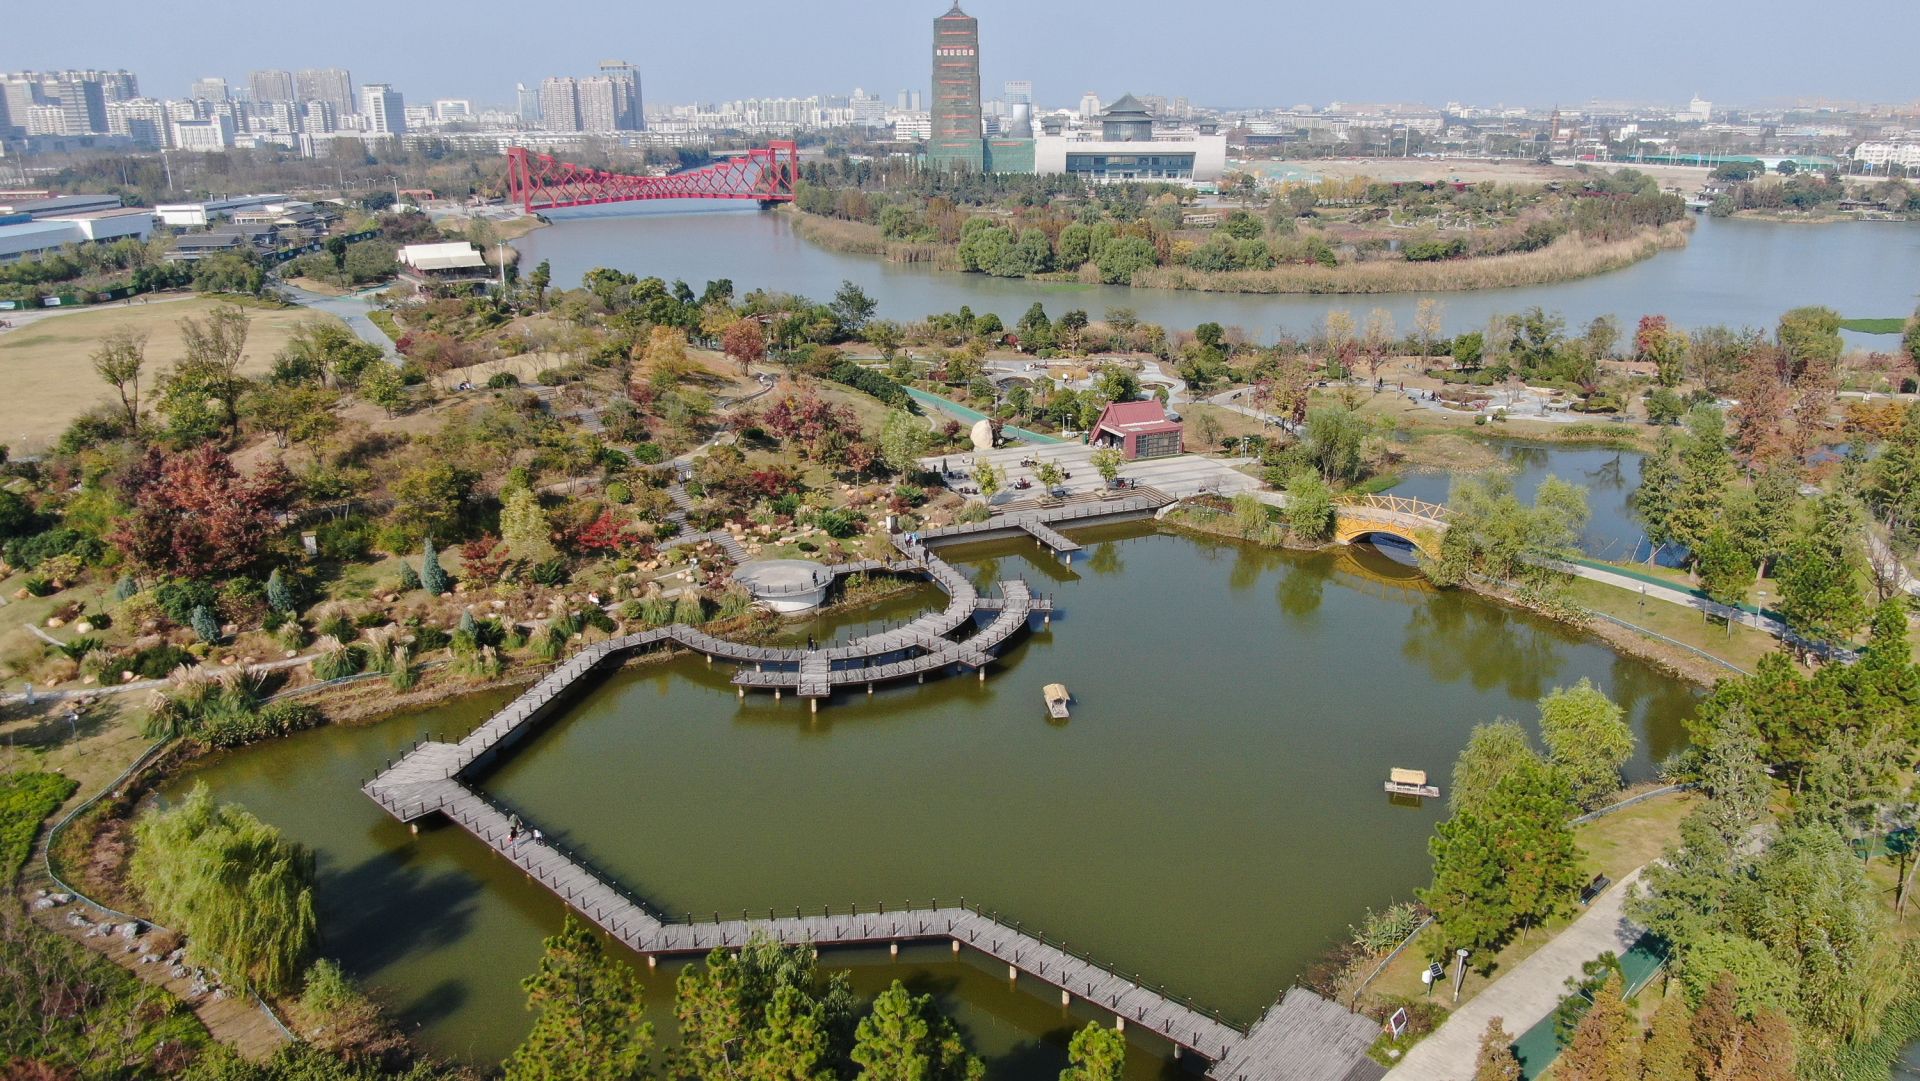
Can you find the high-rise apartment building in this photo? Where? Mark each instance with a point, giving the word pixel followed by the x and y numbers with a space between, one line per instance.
pixel 319 117
pixel 385 112
pixel 1018 92
pixel 59 102
pixel 211 88
pixel 602 103
pixel 560 103
pixel 83 106
pixel 142 120
pixel 957 140
pixel 629 114
pixel 271 85
pixel 527 105
pixel 333 85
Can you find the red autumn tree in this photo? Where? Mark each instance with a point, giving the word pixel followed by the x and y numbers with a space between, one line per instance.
pixel 195 516
pixel 607 533
pixel 482 560
pixel 745 342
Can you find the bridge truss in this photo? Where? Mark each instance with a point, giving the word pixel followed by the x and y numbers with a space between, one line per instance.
pixel 541 182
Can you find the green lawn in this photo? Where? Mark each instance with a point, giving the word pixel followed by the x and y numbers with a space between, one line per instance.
pixel 1739 645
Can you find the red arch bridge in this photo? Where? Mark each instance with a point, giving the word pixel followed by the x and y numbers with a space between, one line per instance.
pixel 540 182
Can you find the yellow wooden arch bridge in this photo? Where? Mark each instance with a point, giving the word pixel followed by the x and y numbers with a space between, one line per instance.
pixel 1415 521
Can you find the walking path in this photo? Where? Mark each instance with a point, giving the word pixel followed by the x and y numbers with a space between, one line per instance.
pixel 350 309
pixel 1528 993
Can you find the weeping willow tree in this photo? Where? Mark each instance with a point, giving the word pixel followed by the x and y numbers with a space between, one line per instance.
pixel 240 892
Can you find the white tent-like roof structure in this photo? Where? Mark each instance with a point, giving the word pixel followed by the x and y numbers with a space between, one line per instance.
pixel 455 255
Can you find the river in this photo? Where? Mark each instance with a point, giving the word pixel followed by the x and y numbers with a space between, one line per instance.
pixel 1740 273
pixel 1210 818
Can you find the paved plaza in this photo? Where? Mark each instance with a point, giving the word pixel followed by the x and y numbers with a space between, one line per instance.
pixel 1180 476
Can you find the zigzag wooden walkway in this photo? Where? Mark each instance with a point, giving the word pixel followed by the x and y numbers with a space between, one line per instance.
pixel 1290 1038
pixel 1300 1037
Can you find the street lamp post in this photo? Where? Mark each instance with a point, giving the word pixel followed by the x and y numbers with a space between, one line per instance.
pixel 1460 972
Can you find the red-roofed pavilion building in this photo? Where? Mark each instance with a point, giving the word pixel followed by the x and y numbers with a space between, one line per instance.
pixel 1138 430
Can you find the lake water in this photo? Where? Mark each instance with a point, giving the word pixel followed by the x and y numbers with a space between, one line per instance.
pixel 1609 475
pixel 1211 818
pixel 1741 273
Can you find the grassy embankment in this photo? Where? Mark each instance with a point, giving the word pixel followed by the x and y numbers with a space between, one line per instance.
pixel 48 380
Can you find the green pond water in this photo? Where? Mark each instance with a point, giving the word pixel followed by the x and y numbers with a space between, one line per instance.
pixel 1211 818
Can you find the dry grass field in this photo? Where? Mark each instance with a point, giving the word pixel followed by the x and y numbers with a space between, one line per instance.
pixel 43 364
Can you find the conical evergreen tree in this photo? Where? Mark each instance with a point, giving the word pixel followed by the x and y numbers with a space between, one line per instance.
pixel 432 578
pixel 1496 1061
pixel 204 625
pixel 279 597
pixel 1668 1054
pixel 1606 1046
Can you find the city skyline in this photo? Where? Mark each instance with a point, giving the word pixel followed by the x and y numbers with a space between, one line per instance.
pixel 1271 58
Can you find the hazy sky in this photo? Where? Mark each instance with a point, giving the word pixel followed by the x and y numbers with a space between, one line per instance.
pixel 1229 53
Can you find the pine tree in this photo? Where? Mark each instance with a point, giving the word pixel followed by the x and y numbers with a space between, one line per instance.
pixel 1097 1053
pixel 1705 471
pixel 1496 1061
pixel 1668 1054
pixel 754 1014
pixel 1653 501
pixel 1823 576
pixel 1606 1045
pixel 409 580
pixel 432 578
pixel 124 588
pixel 904 1039
pixel 279 597
pixel 590 1025
pixel 467 625
pixel 204 625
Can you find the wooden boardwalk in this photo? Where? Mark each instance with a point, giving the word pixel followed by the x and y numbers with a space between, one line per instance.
pixel 1302 1036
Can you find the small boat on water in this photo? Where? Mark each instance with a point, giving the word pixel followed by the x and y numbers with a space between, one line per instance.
pixel 1057 699
pixel 1411 782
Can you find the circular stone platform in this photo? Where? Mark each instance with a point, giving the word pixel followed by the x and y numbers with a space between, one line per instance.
pixel 785 585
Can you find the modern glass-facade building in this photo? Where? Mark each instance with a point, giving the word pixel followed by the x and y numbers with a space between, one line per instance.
pixel 957 140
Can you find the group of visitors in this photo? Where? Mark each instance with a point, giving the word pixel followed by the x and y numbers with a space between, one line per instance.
pixel 515 828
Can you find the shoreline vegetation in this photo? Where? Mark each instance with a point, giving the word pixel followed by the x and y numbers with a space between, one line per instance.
pixel 1670 659
pixel 1568 258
